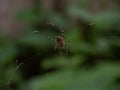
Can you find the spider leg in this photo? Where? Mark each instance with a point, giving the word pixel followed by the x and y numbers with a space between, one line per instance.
pixel 61 52
pixel 50 38
pixel 55 48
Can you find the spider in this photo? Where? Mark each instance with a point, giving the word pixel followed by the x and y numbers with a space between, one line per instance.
pixel 60 43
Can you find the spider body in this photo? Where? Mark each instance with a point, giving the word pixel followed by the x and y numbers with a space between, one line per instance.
pixel 59 43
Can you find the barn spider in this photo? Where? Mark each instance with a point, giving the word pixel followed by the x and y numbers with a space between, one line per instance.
pixel 60 43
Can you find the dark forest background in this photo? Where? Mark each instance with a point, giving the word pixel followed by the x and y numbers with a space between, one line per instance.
pixel 90 60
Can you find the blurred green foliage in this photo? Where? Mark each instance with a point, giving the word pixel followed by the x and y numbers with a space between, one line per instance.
pixel 92 61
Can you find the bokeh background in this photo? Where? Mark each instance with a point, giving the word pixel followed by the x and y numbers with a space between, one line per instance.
pixel 29 61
